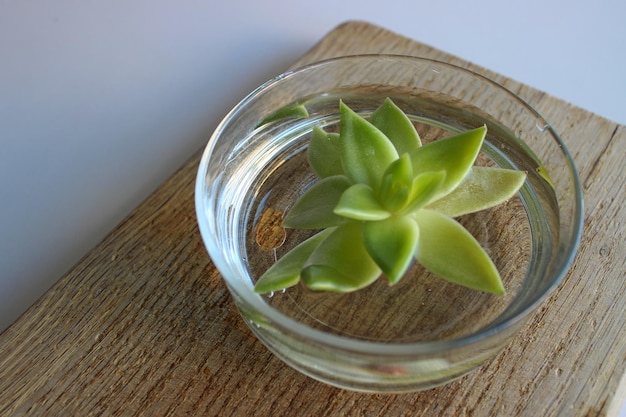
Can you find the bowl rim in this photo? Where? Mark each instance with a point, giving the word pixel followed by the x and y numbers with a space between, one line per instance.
pixel 382 349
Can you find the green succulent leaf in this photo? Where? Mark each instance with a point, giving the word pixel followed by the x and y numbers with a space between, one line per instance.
pixel 340 263
pixel 395 124
pixel 286 272
pixel 315 208
pixel 424 188
pixel 359 203
pixel 292 111
pixel 448 250
pixel 481 189
pixel 323 154
pixel 392 244
pixel 455 155
pixel 397 183
pixel 365 151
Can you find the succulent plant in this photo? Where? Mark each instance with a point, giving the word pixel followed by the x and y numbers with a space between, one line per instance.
pixel 384 200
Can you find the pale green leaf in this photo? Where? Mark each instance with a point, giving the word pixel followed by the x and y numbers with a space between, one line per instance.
pixel 395 188
pixel 392 244
pixel 455 155
pixel 424 188
pixel 481 189
pixel 359 203
pixel 323 153
pixel 448 250
pixel 285 272
pixel 292 111
pixel 395 124
pixel 315 208
pixel 341 262
pixel 365 151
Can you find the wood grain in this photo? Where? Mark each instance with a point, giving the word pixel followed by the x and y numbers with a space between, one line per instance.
pixel 143 324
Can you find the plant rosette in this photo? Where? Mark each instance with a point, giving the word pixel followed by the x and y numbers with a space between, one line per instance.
pixel 384 200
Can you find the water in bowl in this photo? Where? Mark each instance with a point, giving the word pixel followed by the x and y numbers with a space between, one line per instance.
pixel 273 172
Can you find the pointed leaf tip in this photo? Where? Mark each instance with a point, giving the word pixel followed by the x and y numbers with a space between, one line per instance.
pixel 365 151
pixel 291 111
pixel 315 208
pixel 324 154
pixel 359 203
pixel 392 244
pixel 285 272
pixel 396 125
pixel 483 188
pixel 448 250
pixel 455 155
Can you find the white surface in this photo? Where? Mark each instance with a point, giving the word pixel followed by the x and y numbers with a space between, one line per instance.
pixel 101 101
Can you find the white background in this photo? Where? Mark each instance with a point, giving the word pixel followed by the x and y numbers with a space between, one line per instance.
pixel 101 101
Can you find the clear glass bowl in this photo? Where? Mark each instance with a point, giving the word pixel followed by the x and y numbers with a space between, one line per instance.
pixel 423 331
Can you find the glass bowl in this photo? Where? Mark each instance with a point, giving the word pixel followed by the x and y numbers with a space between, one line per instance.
pixel 423 331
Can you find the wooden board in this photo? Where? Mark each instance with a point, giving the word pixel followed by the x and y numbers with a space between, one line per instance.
pixel 143 324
